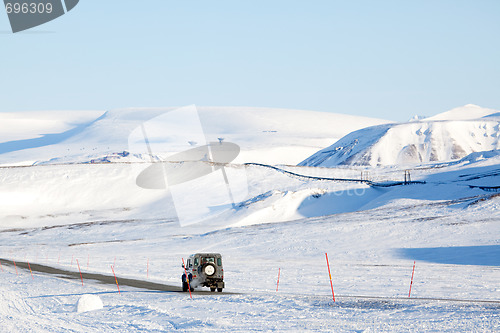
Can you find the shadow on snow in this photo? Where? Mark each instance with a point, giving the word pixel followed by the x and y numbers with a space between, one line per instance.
pixel 485 255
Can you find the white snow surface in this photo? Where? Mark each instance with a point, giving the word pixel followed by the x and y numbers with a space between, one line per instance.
pixel 89 303
pixel 57 208
pixel 34 124
pixel 466 112
pixel 276 136
pixel 446 137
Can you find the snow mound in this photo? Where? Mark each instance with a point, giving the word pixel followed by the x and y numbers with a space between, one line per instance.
pixel 412 143
pixel 89 303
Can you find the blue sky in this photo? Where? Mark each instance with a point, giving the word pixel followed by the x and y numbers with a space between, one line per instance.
pixel 386 59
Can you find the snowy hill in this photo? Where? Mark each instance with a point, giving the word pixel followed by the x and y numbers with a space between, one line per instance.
pixel 35 124
pixel 446 137
pixel 264 134
pixel 85 164
pixel 466 112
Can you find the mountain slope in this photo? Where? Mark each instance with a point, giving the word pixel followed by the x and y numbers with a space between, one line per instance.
pixel 274 136
pixel 413 142
pixel 466 112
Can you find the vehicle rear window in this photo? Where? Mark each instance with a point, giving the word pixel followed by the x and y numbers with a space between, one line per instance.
pixel 205 260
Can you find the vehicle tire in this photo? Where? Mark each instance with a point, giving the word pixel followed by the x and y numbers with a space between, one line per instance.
pixel 209 270
pixel 212 289
pixel 219 290
pixel 184 286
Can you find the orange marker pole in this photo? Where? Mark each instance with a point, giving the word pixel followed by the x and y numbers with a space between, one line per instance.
pixel 411 283
pixel 116 280
pixel 278 283
pixel 330 275
pixel 15 266
pixel 81 277
pixel 30 270
pixel 187 278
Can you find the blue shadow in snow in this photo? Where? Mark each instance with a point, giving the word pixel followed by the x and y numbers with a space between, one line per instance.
pixel 106 292
pixel 485 255
pixel 346 201
pixel 46 140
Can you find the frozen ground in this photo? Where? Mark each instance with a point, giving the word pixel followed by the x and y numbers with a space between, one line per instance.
pixel 136 311
pixel 59 213
pixel 371 254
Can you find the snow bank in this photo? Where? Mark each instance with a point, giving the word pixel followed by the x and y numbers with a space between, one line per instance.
pixel 89 303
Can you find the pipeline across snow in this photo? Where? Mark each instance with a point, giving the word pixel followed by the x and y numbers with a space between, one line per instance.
pixel 349 180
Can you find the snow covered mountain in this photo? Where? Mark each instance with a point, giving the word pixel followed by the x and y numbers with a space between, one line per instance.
pixel 448 136
pixel 274 136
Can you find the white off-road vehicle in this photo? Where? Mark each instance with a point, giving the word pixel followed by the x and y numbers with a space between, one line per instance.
pixel 204 270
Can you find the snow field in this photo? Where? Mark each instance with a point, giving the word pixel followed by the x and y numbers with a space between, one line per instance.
pixel 365 259
pixel 151 311
pixel 62 209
